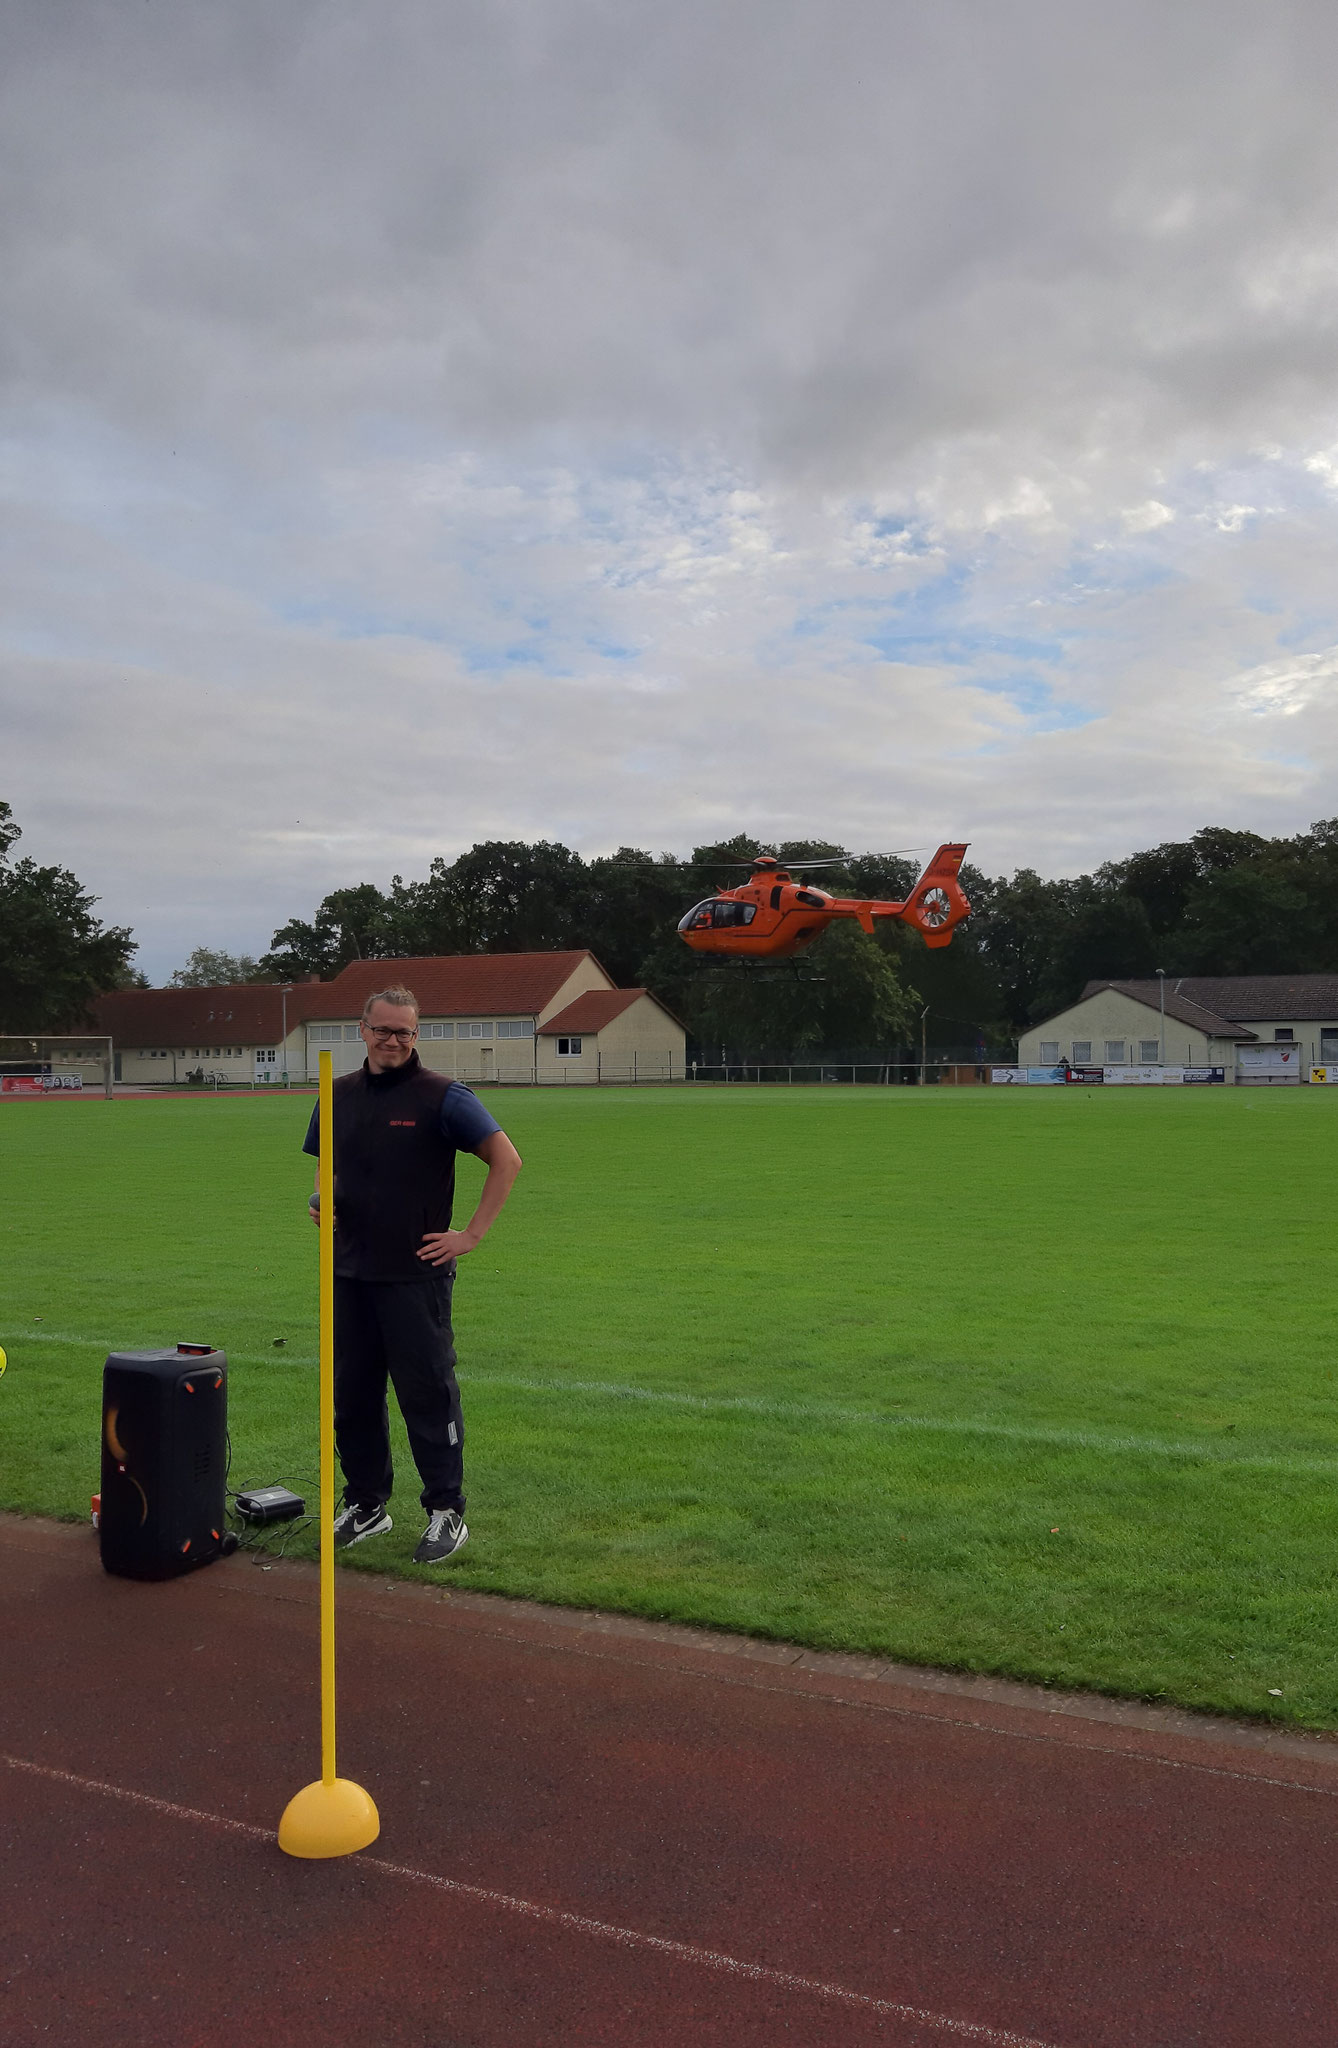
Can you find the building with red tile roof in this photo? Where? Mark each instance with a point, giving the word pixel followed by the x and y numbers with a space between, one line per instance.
pixel 483 1017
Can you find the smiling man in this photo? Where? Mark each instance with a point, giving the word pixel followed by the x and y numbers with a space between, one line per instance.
pixel 397 1129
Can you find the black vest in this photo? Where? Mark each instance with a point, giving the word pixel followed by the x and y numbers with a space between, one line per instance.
pixel 394 1171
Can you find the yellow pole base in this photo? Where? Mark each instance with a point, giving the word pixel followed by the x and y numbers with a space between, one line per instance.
pixel 329 1820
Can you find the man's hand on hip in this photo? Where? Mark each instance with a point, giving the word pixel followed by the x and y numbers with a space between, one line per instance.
pixel 439 1247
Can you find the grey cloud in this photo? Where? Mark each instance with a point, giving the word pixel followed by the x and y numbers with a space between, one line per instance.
pixel 830 237
pixel 430 421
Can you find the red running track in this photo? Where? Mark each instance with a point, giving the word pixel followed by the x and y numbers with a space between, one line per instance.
pixel 604 1832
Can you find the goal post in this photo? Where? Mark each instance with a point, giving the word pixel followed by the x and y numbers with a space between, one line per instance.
pixel 60 1063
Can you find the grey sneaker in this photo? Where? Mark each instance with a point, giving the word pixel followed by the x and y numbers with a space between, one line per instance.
pixel 353 1524
pixel 444 1535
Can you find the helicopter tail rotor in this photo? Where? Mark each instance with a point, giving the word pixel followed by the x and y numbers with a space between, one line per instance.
pixel 938 902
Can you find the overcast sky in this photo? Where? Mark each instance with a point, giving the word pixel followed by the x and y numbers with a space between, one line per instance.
pixel 580 419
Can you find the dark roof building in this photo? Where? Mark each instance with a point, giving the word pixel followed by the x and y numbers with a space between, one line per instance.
pixel 1256 998
pixel 1197 1014
pixel 1257 1027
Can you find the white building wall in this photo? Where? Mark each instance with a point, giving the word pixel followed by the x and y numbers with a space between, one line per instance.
pixel 163 1065
pixel 643 1043
pixel 341 1040
pixel 1109 1019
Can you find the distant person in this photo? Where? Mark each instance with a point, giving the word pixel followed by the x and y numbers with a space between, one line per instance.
pixel 397 1129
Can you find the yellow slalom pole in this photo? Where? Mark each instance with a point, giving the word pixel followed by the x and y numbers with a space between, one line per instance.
pixel 326 1420
pixel 333 1817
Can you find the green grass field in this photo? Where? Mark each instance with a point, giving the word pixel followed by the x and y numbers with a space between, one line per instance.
pixel 1038 1383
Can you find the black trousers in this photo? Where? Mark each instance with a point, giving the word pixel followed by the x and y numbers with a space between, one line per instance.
pixel 399 1330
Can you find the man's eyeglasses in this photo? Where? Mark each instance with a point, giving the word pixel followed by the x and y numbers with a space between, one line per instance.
pixel 383 1031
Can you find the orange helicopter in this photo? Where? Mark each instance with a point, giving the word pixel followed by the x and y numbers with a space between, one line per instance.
pixel 773 917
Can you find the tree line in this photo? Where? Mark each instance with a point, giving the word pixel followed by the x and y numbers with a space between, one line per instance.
pixel 55 955
pixel 1220 903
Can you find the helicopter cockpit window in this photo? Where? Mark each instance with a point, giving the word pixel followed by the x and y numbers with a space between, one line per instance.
pixel 698 919
pixel 810 899
pixel 725 912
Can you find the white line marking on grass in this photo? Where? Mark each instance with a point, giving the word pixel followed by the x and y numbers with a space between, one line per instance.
pixel 553 1916
pixel 795 1411
pixel 805 1412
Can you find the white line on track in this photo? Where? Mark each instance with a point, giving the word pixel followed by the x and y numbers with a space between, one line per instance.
pixel 553 1916
pixel 1202 1450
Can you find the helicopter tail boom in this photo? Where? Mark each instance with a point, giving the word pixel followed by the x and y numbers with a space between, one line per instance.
pixel 938 903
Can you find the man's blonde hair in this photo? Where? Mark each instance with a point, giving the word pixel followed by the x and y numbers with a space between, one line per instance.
pixel 402 998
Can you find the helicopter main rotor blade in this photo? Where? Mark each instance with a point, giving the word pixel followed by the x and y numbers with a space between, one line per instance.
pixel 850 860
pixel 699 867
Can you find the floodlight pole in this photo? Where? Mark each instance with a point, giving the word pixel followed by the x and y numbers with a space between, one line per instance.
pixel 1161 991
pixel 923 1015
pixel 284 989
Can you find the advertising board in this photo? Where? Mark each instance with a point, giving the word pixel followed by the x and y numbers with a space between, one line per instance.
pixel 1269 1065
pixel 1028 1077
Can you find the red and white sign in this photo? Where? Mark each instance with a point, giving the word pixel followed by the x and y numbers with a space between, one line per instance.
pixel 41 1084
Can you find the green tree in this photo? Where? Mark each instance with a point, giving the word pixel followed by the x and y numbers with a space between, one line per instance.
pixel 351 924
pixel 206 968
pixel 501 897
pixel 55 955
pixel 844 995
pixel 1255 918
pixel 630 900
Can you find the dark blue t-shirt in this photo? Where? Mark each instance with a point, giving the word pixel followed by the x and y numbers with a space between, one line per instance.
pixel 465 1123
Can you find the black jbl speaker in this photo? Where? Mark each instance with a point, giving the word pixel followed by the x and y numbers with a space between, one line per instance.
pixel 164 1460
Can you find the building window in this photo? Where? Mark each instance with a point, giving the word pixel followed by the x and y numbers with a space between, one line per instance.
pixel 569 1048
pixel 1049 1052
pixel 1149 1051
pixel 436 1031
pixel 1114 1052
pixel 516 1027
pixel 1284 1034
pixel 1328 1044
pixel 473 1030
pixel 1082 1052
pixel 351 1032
